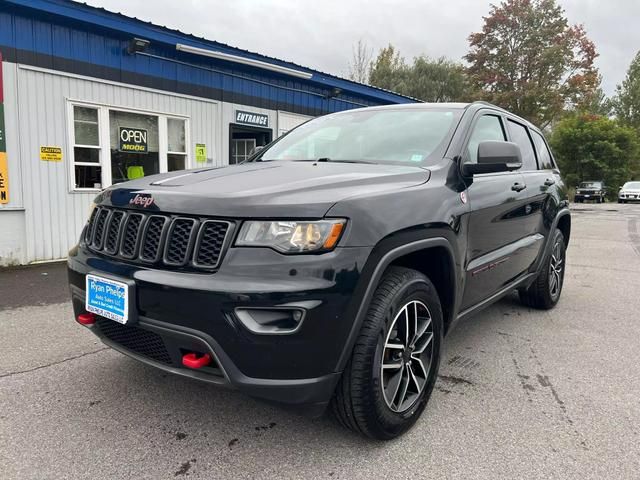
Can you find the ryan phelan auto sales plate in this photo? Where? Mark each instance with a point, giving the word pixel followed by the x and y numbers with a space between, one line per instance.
pixel 108 298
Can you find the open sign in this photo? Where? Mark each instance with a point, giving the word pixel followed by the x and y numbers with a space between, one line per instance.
pixel 133 140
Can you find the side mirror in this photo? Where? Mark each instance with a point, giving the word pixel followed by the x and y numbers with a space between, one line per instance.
pixel 493 157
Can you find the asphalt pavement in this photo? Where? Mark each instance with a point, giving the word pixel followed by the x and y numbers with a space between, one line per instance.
pixel 521 393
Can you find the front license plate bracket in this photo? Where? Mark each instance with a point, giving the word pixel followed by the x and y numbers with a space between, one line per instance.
pixel 111 297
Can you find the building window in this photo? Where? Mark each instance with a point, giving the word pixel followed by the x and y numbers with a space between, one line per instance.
pixel 86 148
pixel 135 146
pixel 113 145
pixel 177 144
pixel 241 149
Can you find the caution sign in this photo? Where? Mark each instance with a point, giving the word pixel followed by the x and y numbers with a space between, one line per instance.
pixel 132 140
pixel 201 153
pixel 51 154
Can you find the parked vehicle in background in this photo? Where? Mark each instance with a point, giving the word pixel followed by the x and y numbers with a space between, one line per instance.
pixel 630 192
pixel 326 269
pixel 594 190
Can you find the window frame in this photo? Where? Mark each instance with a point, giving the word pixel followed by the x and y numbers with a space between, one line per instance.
pixel 533 146
pixel 554 165
pixel 105 141
pixel 465 145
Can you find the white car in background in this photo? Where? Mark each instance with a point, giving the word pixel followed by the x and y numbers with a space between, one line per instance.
pixel 630 192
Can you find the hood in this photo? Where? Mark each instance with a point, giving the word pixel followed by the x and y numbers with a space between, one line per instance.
pixel 270 189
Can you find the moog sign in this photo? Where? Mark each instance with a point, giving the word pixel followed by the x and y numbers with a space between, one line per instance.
pixel 133 140
pixel 249 118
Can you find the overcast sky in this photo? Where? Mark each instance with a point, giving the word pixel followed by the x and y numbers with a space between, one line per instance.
pixel 320 34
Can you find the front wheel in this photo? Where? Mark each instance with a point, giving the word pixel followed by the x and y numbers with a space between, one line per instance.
pixel 395 360
pixel 545 291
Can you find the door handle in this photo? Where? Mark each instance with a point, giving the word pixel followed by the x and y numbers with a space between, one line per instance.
pixel 549 181
pixel 518 187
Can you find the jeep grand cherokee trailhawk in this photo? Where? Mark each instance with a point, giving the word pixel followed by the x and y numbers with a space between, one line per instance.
pixel 326 269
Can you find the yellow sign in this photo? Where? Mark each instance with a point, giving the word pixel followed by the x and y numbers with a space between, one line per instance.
pixel 4 179
pixel 201 153
pixel 51 154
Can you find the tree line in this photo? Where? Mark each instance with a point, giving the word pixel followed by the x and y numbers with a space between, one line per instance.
pixel 531 61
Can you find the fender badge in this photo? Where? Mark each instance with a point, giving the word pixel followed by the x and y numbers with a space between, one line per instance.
pixel 463 196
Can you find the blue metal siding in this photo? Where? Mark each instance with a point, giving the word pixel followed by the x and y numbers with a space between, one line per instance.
pixel 39 35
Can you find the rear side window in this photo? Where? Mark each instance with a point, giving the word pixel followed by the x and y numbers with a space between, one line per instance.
pixel 521 137
pixel 488 127
pixel 544 156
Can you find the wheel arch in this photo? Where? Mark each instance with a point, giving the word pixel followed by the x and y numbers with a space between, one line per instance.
pixel 564 225
pixel 436 263
pixel 433 256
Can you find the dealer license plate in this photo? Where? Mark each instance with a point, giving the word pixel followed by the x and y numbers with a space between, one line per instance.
pixel 108 298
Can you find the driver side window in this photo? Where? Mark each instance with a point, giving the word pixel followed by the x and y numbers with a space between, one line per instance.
pixel 488 127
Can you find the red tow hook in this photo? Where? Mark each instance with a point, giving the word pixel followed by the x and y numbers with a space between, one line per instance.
pixel 86 319
pixel 192 360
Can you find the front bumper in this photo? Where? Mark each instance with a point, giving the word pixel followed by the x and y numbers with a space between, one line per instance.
pixel 181 311
pixel 629 197
pixel 587 196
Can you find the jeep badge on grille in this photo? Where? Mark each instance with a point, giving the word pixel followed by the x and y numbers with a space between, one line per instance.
pixel 143 200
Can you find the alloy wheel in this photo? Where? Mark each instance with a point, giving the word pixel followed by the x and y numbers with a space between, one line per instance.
pixel 407 356
pixel 555 270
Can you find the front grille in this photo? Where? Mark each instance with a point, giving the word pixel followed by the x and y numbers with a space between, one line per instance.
pixel 179 241
pixel 143 342
pixel 210 242
pixel 159 240
pixel 152 238
pixel 100 227
pixel 113 233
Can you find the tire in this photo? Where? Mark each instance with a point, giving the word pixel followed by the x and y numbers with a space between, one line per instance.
pixel 361 401
pixel 545 291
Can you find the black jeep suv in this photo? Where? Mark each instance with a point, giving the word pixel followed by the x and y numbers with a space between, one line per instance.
pixel 327 269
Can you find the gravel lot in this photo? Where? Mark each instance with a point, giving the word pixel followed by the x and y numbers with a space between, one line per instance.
pixel 522 393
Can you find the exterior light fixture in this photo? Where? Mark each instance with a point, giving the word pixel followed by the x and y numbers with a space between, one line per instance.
pixel 137 45
pixel 245 61
pixel 335 91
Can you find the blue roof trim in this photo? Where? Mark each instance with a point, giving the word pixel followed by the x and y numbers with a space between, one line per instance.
pixel 103 19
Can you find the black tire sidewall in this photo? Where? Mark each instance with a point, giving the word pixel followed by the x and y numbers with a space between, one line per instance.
pixel 556 236
pixel 419 288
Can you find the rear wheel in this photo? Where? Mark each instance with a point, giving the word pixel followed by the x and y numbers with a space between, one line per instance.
pixel 545 291
pixel 395 360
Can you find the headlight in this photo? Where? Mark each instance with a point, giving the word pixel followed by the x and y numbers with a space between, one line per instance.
pixel 92 207
pixel 291 236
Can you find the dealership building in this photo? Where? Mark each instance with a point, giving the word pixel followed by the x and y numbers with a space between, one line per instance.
pixel 90 98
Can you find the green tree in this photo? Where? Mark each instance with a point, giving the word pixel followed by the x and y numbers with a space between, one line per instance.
pixel 389 70
pixel 429 80
pixel 626 103
pixel 529 60
pixel 592 147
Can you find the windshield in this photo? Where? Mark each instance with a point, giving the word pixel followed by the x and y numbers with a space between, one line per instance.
pixel 590 185
pixel 370 136
pixel 632 186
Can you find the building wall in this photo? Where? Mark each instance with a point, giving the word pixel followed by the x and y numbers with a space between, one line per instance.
pixel 12 238
pixel 45 215
pixel 54 214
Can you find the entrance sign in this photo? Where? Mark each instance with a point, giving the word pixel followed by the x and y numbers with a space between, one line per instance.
pixel 132 140
pixel 254 119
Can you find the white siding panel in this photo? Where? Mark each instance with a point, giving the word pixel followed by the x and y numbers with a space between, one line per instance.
pixel 288 121
pixel 54 215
